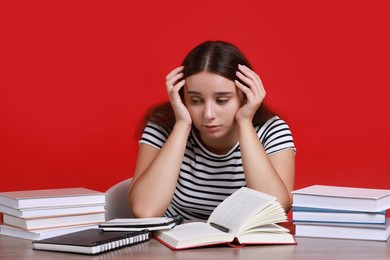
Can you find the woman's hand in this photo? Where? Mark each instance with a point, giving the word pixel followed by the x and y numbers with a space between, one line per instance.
pixel 254 92
pixel 174 82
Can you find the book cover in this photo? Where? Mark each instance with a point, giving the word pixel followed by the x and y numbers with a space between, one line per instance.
pixel 51 197
pixel 92 241
pixel 307 214
pixel 53 222
pixel 344 198
pixel 379 232
pixel 40 234
pixel 52 211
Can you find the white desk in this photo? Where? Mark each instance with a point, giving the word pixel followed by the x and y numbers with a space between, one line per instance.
pixel 307 248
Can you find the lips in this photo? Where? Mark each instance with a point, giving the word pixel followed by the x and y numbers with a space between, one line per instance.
pixel 211 128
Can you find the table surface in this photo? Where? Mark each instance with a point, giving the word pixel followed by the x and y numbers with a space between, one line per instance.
pixel 306 248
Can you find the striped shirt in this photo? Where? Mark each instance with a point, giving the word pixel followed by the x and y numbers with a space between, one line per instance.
pixel 205 178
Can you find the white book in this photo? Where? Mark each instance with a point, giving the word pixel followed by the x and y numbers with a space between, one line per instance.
pixel 41 233
pixel 53 222
pixel 51 198
pixel 305 214
pixel 344 198
pixel 245 217
pixel 52 211
pixel 344 231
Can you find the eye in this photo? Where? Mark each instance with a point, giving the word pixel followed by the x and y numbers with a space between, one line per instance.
pixel 196 100
pixel 222 100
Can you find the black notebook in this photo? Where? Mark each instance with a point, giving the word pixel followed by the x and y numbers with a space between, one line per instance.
pixel 92 241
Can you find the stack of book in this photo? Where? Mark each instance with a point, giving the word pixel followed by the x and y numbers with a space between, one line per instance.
pixel 341 212
pixel 40 214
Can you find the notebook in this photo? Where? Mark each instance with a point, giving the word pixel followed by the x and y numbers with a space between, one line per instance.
pixel 92 241
pixel 136 224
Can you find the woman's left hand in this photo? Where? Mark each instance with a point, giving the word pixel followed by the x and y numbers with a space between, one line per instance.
pixel 254 92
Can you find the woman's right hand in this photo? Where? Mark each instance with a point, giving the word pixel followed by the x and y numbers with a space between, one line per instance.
pixel 174 82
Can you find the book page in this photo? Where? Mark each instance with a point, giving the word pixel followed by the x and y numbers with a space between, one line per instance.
pixel 193 234
pixel 269 228
pixel 192 230
pixel 239 208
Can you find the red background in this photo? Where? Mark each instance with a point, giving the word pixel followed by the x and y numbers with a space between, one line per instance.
pixel 77 76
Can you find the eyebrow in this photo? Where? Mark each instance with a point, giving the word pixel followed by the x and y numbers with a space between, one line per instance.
pixel 222 93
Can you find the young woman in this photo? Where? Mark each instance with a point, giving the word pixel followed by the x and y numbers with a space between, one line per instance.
pixel 214 136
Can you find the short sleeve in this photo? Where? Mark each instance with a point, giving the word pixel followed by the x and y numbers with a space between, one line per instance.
pixel 154 135
pixel 276 136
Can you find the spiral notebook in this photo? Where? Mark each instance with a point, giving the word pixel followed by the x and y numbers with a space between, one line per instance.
pixel 92 241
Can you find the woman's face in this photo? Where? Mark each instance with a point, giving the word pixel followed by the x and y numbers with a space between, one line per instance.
pixel 212 101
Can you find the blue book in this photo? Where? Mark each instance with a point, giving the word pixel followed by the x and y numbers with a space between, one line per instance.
pixel 311 214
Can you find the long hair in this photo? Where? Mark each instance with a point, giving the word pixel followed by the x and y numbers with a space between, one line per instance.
pixel 217 57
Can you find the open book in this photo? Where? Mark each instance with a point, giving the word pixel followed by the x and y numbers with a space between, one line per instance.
pixel 245 217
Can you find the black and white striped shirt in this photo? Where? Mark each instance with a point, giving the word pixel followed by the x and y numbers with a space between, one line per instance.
pixel 205 178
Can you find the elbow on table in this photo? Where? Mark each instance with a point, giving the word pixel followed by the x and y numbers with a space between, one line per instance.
pixel 287 208
pixel 287 205
pixel 139 210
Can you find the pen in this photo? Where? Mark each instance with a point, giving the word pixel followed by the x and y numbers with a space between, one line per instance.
pixel 222 228
pixel 178 219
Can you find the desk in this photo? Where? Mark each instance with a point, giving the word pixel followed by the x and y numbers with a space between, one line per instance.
pixel 307 248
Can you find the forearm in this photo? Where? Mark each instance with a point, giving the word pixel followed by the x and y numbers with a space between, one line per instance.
pixel 260 173
pixel 152 190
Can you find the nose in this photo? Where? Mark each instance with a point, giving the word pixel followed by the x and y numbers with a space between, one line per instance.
pixel 209 111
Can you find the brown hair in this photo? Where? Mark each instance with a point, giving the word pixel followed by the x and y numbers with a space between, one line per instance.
pixel 217 57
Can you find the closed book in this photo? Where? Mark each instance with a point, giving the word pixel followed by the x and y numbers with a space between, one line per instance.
pixel 40 234
pixel 92 241
pixel 306 214
pixel 378 232
pixel 51 198
pixel 344 198
pixel 53 222
pixel 52 211
pixel 136 224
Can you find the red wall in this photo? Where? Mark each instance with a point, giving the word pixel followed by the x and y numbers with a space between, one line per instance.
pixel 77 76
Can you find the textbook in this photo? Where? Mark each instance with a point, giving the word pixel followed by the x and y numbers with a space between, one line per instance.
pixel 91 241
pixel 245 217
pixel 379 232
pixel 51 198
pixel 305 214
pixel 344 198
pixel 39 234
pixel 137 224
pixel 52 211
pixel 52 222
